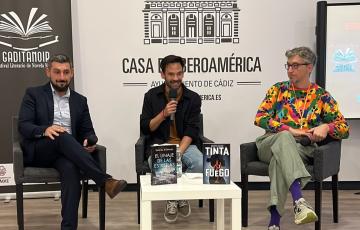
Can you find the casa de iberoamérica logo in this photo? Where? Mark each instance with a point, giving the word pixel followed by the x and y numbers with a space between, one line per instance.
pixel 24 42
pixel 191 21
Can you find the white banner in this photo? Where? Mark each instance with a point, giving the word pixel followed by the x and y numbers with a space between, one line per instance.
pixel 234 51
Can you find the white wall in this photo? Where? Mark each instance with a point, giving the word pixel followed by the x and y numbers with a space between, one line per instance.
pixel 106 32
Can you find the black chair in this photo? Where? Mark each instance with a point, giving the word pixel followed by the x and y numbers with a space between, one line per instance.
pixel 326 163
pixel 142 167
pixel 48 175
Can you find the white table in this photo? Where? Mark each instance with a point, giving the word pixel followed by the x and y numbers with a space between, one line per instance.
pixel 190 186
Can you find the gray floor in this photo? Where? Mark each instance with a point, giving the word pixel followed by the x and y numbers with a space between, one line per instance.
pixel 44 214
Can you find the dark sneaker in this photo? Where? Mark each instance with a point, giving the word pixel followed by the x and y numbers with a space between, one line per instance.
pixel 304 213
pixel 171 211
pixel 184 208
pixel 273 227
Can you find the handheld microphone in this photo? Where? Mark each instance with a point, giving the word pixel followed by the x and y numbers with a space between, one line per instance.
pixel 172 97
pixel 92 140
pixel 305 141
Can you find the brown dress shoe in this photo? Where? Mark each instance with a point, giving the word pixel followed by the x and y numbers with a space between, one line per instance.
pixel 113 186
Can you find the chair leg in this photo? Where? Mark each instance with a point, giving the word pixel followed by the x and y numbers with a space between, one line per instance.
pixel 335 197
pixel 20 206
pixel 85 188
pixel 201 203
pixel 318 201
pixel 211 210
pixel 244 199
pixel 138 196
pixel 102 207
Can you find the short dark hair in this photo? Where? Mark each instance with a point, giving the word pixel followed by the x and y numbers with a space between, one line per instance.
pixel 60 58
pixel 171 59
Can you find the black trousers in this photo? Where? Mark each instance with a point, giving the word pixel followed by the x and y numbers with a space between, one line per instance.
pixel 69 157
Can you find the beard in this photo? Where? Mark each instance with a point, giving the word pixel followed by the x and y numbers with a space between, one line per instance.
pixel 173 84
pixel 60 86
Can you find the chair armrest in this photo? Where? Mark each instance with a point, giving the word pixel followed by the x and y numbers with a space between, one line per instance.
pixel 248 153
pixel 100 156
pixel 18 160
pixel 327 160
pixel 205 140
pixel 140 154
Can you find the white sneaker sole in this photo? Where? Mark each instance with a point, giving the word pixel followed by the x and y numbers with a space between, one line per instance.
pixel 170 220
pixel 310 217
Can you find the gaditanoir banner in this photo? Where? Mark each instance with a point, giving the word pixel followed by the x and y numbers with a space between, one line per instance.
pixel 30 32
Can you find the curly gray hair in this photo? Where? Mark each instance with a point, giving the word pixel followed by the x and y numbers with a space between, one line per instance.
pixel 304 52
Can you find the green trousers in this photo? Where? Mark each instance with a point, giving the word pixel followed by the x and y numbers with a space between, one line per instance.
pixel 287 160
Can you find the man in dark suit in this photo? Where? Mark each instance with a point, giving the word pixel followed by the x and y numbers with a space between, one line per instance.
pixel 55 124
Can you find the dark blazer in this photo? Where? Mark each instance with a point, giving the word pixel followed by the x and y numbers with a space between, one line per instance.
pixel 187 115
pixel 37 113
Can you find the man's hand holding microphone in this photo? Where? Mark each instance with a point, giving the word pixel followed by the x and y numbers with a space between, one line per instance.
pixel 170 108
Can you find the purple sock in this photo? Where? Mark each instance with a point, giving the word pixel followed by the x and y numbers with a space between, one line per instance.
pixel 295 189
pixel 275 216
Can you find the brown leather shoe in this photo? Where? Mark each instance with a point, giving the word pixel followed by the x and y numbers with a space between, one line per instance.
pixel 113 186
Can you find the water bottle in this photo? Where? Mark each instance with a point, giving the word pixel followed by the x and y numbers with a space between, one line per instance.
pixel 178 163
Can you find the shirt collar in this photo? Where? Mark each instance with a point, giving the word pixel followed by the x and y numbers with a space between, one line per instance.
pixel 67 94
pixel 161 90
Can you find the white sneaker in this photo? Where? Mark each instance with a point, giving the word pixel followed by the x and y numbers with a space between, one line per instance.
pixel 273 227
pixel 171 211
pixel 304 213
pixel 184 208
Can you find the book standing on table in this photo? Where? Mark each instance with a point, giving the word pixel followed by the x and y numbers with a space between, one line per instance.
pixel 216 164
pixel 163 164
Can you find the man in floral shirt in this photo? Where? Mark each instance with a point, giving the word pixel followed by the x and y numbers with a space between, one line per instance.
pixel 293 110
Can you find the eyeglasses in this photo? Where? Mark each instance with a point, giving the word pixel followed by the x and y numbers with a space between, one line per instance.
pixel 294 66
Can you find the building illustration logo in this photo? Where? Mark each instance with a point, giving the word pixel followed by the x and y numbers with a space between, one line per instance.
pixel 34 34
pixel 344 61
pixel 191 21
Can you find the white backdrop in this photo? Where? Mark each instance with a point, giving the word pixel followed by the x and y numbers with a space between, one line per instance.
pixel 106 32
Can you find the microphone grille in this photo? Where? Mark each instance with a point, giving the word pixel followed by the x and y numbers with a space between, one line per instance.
pixel 92 140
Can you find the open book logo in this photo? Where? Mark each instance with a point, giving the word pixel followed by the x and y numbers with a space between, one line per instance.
pixel 348 56
pixel 344 60
pixel 36 33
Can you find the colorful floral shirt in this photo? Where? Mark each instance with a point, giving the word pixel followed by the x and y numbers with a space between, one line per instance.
pixel 285 107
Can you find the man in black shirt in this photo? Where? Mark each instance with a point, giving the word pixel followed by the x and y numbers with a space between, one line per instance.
pixel 182 130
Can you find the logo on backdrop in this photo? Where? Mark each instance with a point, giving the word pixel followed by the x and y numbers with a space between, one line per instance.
pixel 200 21
pixel 2 170
pixel 6 176
pixel 344 60
pixel 25 38
pixel 197 22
